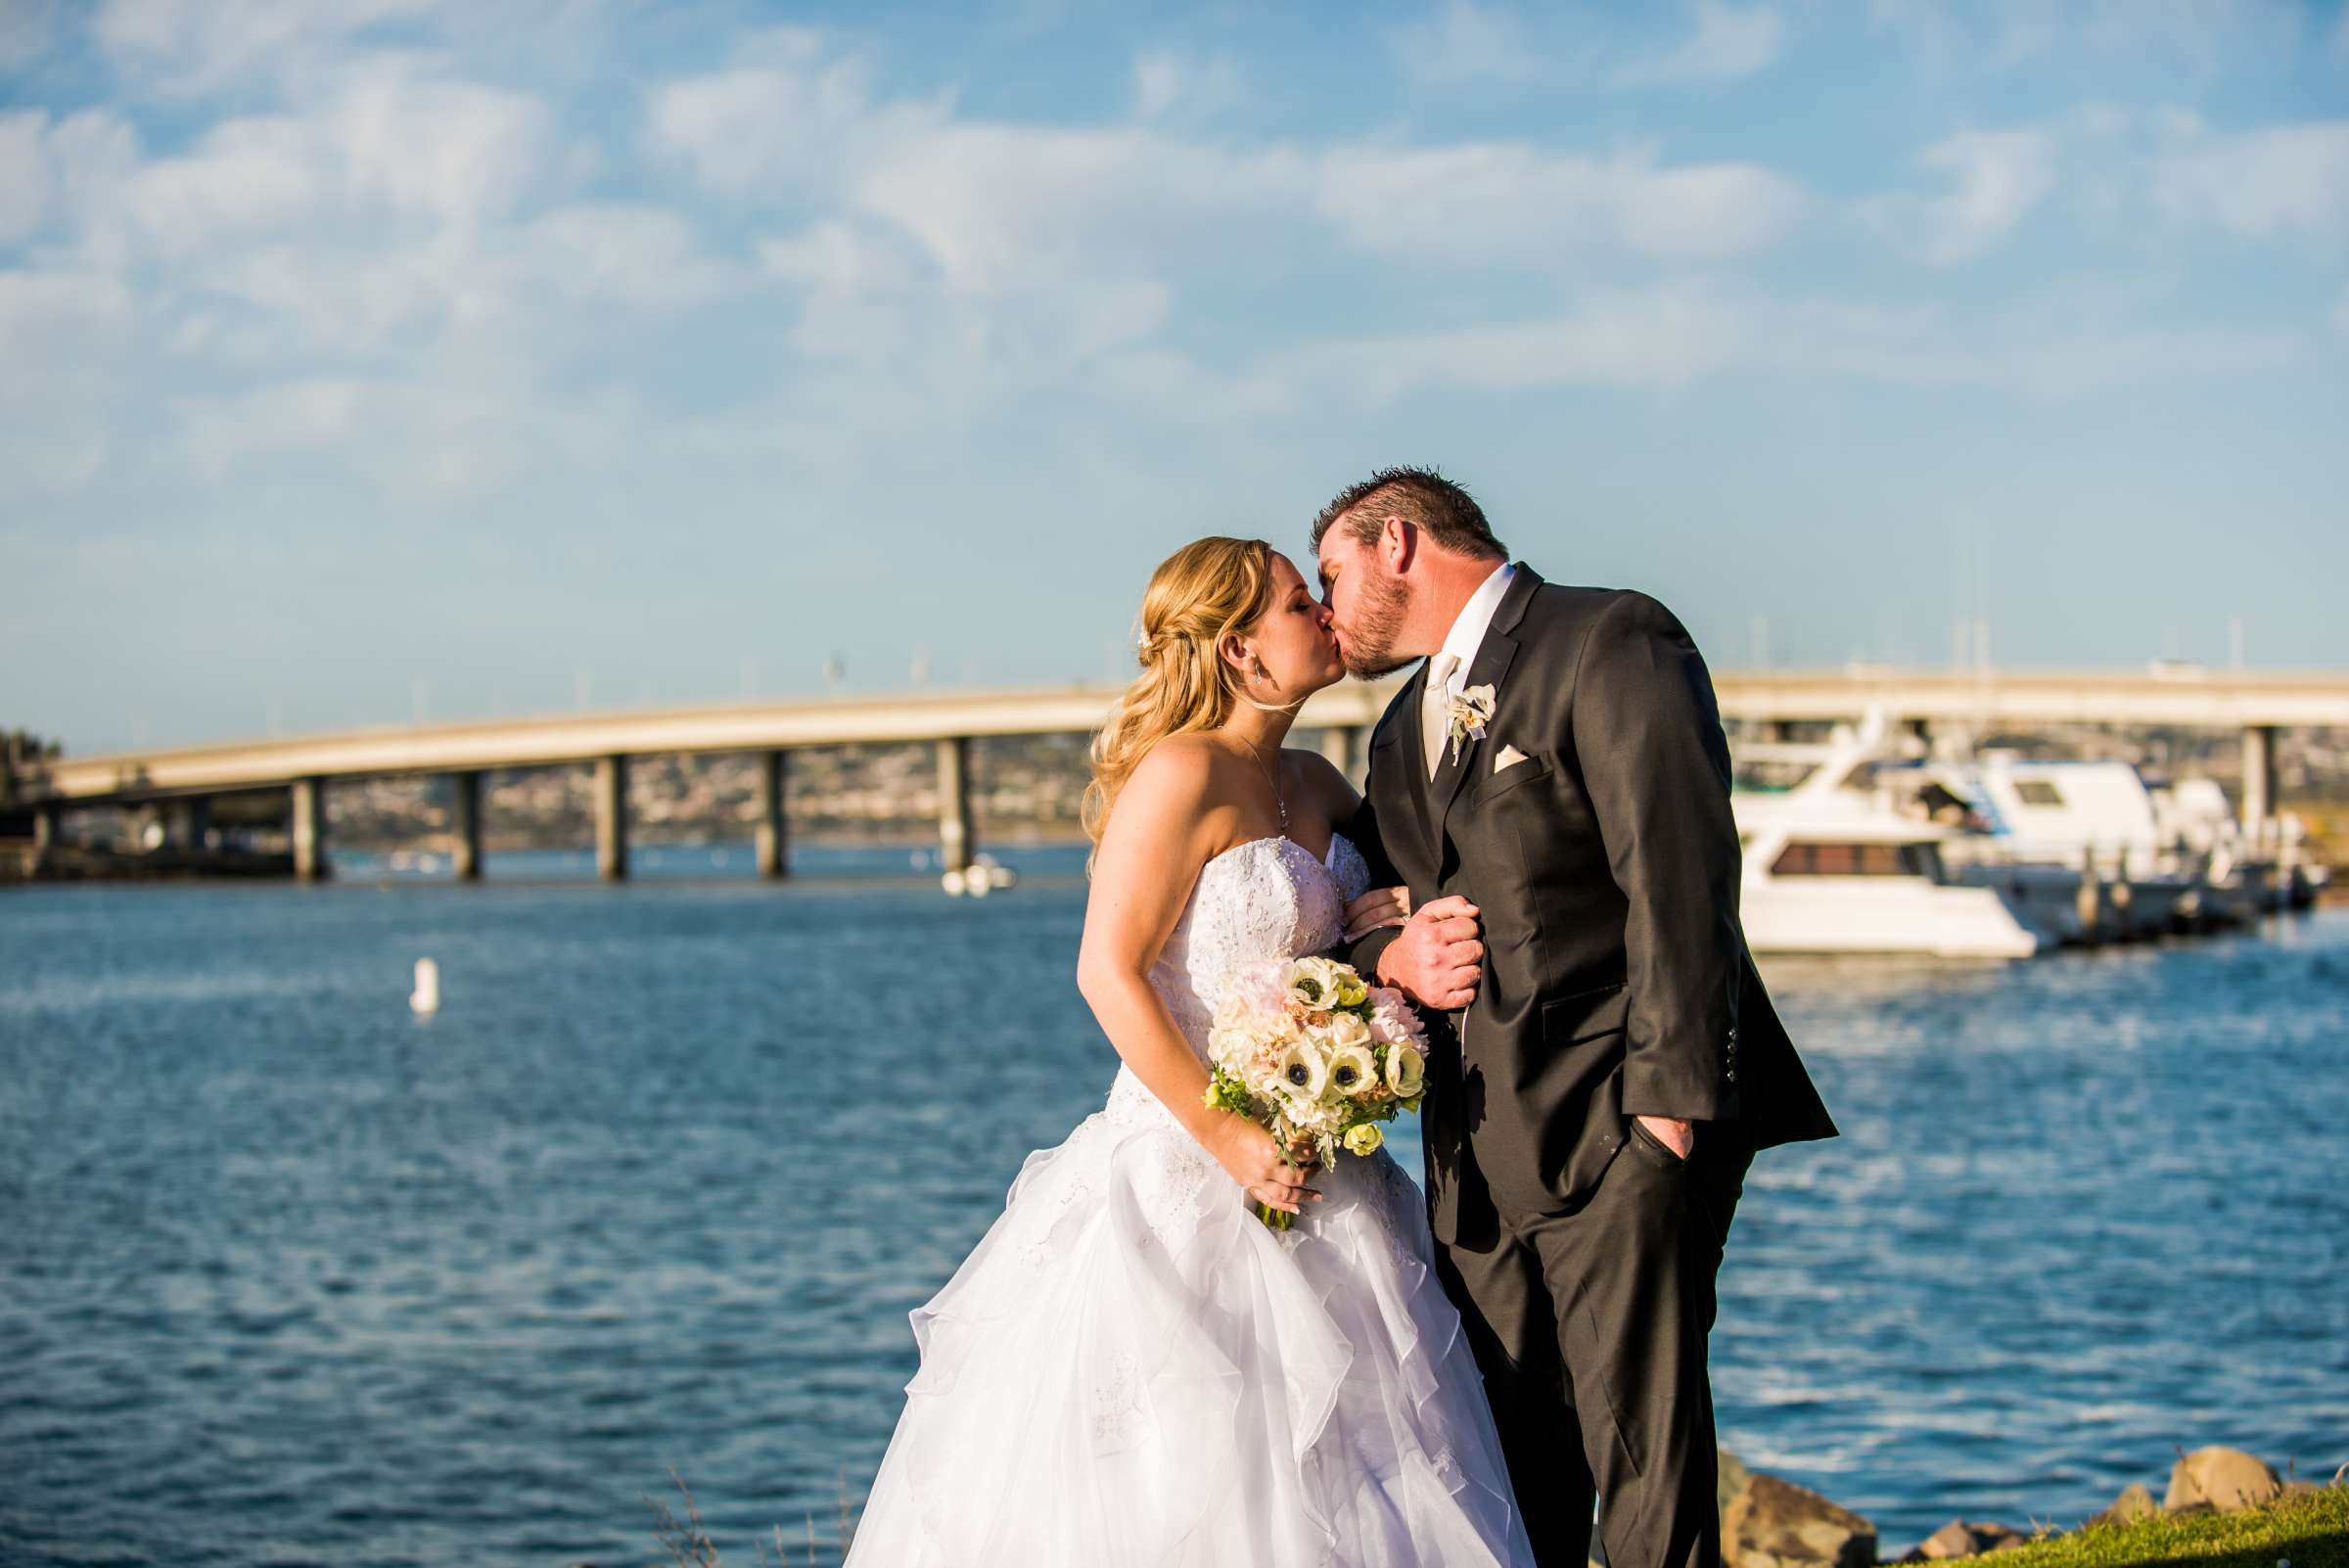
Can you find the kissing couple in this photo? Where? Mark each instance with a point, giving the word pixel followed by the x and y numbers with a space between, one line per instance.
pixel 1130 1368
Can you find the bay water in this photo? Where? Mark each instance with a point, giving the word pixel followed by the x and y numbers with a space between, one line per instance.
pixel 291 1274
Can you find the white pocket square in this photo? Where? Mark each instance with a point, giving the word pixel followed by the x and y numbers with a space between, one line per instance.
pixel 1509 757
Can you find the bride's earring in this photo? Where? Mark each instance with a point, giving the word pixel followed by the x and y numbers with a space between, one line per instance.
pixel 1255 663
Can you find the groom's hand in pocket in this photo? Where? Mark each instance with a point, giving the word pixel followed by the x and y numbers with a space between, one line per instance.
pixel 1675 1134
pixel 1438 959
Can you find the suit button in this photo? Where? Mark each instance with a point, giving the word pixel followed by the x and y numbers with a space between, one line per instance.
pixel 1731 1075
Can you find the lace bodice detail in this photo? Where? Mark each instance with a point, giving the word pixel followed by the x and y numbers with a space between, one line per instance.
pixel 1266 898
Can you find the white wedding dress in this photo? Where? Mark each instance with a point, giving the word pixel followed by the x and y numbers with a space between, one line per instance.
pixel 1131 1369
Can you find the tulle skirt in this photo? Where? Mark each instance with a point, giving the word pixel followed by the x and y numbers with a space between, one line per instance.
pixel 1131 1368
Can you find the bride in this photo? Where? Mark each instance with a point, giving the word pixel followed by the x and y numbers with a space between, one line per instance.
pixel 1130 1368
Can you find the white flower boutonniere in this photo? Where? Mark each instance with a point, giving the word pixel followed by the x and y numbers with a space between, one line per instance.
pixel 1471 712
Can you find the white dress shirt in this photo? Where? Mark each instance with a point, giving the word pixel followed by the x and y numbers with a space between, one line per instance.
pixel 1447 667
pixel 1467 634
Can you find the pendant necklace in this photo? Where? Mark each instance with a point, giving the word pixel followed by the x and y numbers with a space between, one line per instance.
pixel 1278 803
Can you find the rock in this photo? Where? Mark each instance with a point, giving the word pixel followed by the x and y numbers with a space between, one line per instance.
pixel 1961 1538
pixel 1731 1477
pixel 1952 1540
pixel 2135 1502
pixel 2226 1479
pixel 1776 1524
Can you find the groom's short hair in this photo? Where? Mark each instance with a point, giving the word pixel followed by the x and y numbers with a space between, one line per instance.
pixel 1442 510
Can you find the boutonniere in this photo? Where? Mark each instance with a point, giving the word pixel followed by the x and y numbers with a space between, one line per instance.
pixel 1471 712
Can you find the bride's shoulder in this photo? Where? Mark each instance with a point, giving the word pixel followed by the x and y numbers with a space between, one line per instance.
pixel 1187 761
pixel 1177 779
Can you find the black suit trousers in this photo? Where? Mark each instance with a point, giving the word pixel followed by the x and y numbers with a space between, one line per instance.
pixel 1590 1330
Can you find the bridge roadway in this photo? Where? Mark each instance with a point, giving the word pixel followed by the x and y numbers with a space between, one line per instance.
pixel 2255 704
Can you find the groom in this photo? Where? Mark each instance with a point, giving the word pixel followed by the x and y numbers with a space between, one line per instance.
pixel 1555 774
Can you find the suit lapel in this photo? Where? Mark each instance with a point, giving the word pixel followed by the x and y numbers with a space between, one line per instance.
pixel 1415 746
pixel 1493 655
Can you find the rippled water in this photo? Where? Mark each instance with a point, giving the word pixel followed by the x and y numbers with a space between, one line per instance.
pixel 289 1274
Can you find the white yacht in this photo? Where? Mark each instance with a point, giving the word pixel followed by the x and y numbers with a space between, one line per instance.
pixel 1831 869
pixel 2096 818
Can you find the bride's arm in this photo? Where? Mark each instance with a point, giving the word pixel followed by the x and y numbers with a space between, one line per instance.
pixel 1160 833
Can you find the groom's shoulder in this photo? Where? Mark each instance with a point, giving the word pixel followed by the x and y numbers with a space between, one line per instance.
pixel 1572 624
pixel 1577 608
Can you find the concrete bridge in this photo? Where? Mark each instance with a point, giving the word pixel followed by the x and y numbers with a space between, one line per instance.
pixel 186 778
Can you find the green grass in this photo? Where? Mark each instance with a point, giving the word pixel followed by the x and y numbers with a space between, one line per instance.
pixel 2309 1530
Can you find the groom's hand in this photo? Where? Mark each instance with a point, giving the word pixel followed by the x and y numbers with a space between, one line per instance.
pixel 1437 959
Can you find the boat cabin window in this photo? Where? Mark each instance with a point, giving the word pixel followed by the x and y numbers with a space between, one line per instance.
pixel 2038 792
pixel 1854 860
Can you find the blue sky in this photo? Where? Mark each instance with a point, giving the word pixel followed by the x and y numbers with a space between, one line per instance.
pixel 373 357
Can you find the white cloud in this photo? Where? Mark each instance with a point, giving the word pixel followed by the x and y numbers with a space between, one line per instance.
pixel 62 336
pixel 2281 182
pixel 1004 206
pixel 24 173
pixel 431 435
pixel 1171 84
pixel 626 252
pixel 784 119
pixel 2010 32
pixel 420 273
pixel 838 259
pixel 1666 335
pixel 1996 179
pixel 244 175
pixel 1465 41
pixel 1480 204
pixel 28 29
pixel 1729 41
pixel 1657 338
pixel 195 46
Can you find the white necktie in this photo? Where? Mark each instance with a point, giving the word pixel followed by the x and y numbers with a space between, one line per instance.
pixel 1434 708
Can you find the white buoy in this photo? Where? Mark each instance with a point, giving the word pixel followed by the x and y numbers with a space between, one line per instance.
pixel 426 998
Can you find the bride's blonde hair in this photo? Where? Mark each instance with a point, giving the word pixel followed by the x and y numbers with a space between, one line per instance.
pixel 1203 591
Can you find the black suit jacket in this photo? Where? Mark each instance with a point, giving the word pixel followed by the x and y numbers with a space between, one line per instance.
pixel 1605 867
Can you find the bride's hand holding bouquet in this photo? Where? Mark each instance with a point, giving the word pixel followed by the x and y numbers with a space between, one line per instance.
pixel 1316 1059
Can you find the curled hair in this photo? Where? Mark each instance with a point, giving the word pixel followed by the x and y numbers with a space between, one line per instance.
pixel 1207 588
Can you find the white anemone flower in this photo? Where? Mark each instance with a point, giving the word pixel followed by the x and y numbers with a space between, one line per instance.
pixel 1352 1071
pixel 1406 1071
pixel 1303 1072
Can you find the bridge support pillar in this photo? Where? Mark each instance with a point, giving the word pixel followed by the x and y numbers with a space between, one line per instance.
pixel 774 830
pixel 309 829
pixel 188 823
pixel 1343 745
pixel 612 818
pixel 2259 784
pixel 465 823
pixel 954 802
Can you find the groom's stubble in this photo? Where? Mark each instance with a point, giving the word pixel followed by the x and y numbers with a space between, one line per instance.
pixel 1368 647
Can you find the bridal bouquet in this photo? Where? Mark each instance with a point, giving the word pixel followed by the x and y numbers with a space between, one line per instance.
pixel 1308 1050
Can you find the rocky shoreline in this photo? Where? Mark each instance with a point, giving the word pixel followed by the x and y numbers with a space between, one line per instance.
pixel 1768 1522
